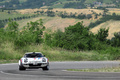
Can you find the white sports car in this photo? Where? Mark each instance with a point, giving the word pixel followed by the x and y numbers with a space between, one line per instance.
pixel 33 60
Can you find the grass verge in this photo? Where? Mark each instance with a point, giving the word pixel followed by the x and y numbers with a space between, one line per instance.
pixel 112 69
pixel 8 61
pixel 9 52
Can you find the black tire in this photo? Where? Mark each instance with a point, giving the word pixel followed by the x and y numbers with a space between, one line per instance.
pixel 21 68
pixel 46 68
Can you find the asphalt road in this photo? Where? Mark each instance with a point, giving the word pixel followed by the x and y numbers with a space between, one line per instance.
pixel 58 71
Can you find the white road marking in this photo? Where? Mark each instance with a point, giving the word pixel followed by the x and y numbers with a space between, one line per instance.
pixel 15 74
pixel 59 76
pixel 90 72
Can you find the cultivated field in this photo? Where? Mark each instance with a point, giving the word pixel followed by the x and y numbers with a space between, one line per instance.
pixel 68 10
pixel 55 23
pixel 112 25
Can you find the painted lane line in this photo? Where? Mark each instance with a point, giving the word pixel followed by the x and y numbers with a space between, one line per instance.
pixel 89 72
pixel 15 74
pixel 61 76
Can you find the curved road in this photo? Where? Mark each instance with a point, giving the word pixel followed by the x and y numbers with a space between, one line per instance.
pixel 58 71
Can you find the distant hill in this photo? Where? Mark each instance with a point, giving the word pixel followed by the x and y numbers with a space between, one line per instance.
pixel 77 4
pixel 113 26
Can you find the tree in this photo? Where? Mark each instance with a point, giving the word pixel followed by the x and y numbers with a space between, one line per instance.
pixel 74 38
pixel 50 13
pixel 113 14
pixel 1 24
pixel 31 34
pixel 116 40
pixel 12 26
pixel 89 16
pixel 102 34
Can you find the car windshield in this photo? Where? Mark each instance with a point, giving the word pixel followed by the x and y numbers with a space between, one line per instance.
pixel 33 55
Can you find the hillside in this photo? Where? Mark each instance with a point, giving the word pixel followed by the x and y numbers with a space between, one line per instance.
pixel 112 25
pixel 56 22
pixel 77 4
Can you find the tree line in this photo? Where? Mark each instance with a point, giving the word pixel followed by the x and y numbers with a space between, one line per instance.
pixel 4 21
pixel 64 14
pixel 104 19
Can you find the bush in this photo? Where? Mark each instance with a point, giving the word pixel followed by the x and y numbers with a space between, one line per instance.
pixel 31 34
pixel 77 37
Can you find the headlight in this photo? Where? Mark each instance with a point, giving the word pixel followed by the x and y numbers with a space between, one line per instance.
pixel 43 60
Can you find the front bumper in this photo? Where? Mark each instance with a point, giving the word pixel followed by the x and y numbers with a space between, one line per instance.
pixel 38 65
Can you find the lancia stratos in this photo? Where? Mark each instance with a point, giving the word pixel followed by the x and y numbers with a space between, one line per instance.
pixel 33 60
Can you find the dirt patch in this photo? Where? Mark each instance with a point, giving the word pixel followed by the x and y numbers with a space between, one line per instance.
pixel 59 23
pixel 62 23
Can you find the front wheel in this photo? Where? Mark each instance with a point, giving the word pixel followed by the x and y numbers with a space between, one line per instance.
pixel 22 68
pixel 46 68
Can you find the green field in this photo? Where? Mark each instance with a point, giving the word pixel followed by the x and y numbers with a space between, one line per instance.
pixel 61 3
pixel 107 69
pixel 104 1
pixel 57 6
pixel 89 1
pixel 107 1
pixel 5 1
pixel 21 1
pixel 5 15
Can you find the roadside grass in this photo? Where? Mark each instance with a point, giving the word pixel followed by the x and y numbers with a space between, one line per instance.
pixel 112 69
pixel 9 52
pixel 8 61
pixel 58 54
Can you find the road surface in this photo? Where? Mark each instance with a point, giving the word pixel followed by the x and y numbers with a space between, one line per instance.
pixel 58 71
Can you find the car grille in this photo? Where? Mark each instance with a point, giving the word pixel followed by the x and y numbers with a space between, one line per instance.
pixel 31 65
